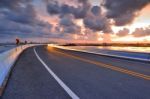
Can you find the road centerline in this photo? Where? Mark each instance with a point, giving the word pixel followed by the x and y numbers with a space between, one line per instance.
pixel 60 82
pixel 122 70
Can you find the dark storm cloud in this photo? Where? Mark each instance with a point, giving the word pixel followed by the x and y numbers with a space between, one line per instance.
pixel 21 11
pixel 72 29
pixel 24 15
pixel 96 21
pixel 67 21
pixel 82 10
pixel 8 27
pixel 123 32
pixel 124 11
pixel 68 25
pixel 83 1
pixel 68 14
pixel 19 18
pixel 96 10
pixel 90 14
pixel 11 26
pixel 141 32
pixel 55 8
pixel 98 24
pixel 13 4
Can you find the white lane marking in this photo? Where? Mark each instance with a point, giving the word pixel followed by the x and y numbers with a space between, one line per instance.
pixel 61 83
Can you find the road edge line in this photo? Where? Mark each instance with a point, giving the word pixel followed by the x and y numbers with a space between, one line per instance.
pixel 60 82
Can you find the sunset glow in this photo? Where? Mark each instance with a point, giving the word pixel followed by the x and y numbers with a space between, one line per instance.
pixel 62 19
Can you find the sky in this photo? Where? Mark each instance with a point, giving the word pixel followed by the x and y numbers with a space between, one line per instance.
pixel 83 21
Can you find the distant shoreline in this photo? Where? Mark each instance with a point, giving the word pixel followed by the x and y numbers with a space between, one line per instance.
pixel 111 44
pixel 90 44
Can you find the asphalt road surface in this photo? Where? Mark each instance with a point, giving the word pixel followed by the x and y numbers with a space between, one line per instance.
pixel 50 73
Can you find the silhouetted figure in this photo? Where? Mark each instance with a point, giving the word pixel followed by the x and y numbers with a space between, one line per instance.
pixel 17 41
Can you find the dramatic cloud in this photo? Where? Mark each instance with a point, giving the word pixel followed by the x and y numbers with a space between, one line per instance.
pixel 25 15
pixel 96 10
pixel 96 21
pixel 54 7
pixel 68 19
pixel 141 32
pixel 93 19
pixel 124 11
pixel 19 19
pixel 123 32
pixel 24 30
pixel 13 5
pixel 20 11
pixel 68 25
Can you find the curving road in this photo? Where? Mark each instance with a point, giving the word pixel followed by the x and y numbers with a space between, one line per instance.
pixel 50 73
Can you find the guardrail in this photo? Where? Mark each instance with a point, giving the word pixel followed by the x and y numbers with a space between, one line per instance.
pixel 7 59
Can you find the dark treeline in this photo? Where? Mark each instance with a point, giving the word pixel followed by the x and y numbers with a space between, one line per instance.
pixel 109 44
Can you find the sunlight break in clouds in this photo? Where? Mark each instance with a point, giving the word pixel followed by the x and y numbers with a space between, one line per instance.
pixel 76 20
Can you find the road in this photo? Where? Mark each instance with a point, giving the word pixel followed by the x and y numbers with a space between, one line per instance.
pixel 50 73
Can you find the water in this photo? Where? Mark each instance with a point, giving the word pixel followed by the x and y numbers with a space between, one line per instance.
pixel 132 52
pixel 4 48
pixel 127 49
